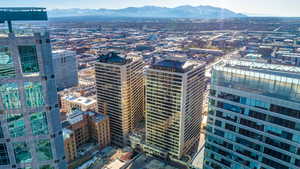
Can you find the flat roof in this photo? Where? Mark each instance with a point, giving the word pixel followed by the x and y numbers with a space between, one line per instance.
pixel 173 64
pixel 67 133
pixel 80 100
pixel 114 58
pixel 273 69
pixel 23 14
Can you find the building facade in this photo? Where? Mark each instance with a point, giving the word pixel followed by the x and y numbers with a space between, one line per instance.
pixel 87 127
pixel 65 68
pixel 120 93
pixel 70 103
pixel 253 121
pixel 69 145
pixel 174 95
pixel 31 133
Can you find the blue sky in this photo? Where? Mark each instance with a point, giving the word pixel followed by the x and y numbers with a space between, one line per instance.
pixel 261 7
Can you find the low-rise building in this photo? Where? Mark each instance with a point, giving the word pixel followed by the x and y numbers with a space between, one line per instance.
pixel 69 145
pixel 70 102
pixel 81 128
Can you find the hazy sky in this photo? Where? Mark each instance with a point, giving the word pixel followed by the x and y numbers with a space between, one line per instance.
pixel 262 7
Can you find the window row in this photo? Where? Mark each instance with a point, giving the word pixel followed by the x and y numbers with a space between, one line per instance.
pixel 28 60
pixel 10 95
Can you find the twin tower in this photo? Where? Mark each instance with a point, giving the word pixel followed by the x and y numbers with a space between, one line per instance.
pixel 167 94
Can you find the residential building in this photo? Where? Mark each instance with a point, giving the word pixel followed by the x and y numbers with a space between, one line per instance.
pixel 253 121
pixel 174 94
pixel 120 93
pixel 69 145
pixel 31 133
pixel 65 68
pixel 88 127
pixel 71 102
pixel 99 130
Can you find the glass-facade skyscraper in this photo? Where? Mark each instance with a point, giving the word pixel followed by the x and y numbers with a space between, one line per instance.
pixel 30 133
pixel 254 117
pixel 174 96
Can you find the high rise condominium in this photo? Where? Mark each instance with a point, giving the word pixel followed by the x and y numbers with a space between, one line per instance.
pixel 174 95
pixel 120 93
pixel 254 117
pixel 30 133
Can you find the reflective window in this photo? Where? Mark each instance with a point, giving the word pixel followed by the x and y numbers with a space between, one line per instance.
pixel 22 153
pixel 6 63
pixel 10 96
pixel 1 132
pixel 34 94
pixel 29 61
pixel 43 149
pixel 39 123
pixel 46 167
pixel 4 158
pixel 16 125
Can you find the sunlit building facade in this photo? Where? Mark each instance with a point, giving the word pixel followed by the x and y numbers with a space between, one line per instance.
pixel 30 133
pixel 174 95
pixel 120 93
pixel 254 117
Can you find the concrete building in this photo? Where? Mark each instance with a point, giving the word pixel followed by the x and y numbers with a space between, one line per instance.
pixel 69 145
pixel 65 68
pixel 88 127
pixel 70 102
pixel 253 119
pixel 174 95
pixel 120 93
pixel 31 133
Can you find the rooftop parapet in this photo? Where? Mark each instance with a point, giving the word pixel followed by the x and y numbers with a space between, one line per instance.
pixel 114 58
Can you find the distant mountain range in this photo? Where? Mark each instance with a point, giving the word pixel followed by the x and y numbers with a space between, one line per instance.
pixel 201 12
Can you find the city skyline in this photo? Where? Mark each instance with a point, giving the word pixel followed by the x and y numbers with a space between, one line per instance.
pixel 284 8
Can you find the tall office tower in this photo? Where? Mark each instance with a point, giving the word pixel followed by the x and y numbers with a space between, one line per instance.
pixel 253 120
pixel 30 133
pixel 174 95
pixel 65 68
pixel 120 93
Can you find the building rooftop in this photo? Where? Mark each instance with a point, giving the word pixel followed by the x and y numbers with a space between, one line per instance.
pixel 269 80
pixel 62 53
pixel 174 64
pixel 67 133
pixel 99 117
pixel 114 58
pixel 273 69
pixel 80 100
pixel 77 116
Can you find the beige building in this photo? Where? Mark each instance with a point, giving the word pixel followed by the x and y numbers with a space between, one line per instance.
pixel 69 103
pixel 69 145
pixel 174 96
pixel 120 93
pixel 99 130
pixel 85 127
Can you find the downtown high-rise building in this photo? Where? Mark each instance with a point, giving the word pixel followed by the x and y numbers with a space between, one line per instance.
pixel 30 132
pixel 174 95
pixel 120 93
pixel 65 68
pixel 254 117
